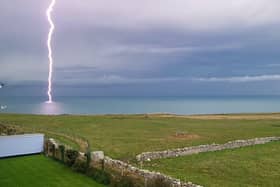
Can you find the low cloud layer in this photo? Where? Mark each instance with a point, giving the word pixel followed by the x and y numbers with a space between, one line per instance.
pixel 241 79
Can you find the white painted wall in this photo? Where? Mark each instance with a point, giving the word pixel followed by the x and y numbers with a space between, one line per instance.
pixel 21 144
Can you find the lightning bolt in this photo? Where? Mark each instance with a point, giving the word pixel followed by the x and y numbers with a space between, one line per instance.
pixel 49 41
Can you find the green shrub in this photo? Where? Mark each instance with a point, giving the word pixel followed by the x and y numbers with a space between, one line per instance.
pixel 158 181
pixel 123 181
pixel 71 156
pixel 99 175
pixel 80 165
pixel 62 151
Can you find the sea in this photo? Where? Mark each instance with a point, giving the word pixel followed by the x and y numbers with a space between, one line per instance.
pixel 141 105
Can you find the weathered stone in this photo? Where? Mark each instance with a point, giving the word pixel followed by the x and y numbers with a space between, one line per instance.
pixel 97 156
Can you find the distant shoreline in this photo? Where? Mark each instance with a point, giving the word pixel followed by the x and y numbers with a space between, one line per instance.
pixel 273 115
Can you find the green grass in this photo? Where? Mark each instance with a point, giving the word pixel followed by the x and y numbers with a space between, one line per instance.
pixel 249 166
pixel 40 171
pixel 124 136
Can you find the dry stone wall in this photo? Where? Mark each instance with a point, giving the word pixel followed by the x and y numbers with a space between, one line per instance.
pixel 146 175
pixel 120 168
pixel 147 156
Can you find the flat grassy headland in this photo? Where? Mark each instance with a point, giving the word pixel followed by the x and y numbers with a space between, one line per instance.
pixel 125 136
pixel 39 170
pixel 248 166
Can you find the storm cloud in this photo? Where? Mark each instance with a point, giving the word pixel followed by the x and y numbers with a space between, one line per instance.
pixel 197 46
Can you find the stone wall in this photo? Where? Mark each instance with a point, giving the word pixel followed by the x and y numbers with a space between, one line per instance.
pixel 146 175
pixel 116 167
pixel 9 130
pixel 119 168
pixel 147 156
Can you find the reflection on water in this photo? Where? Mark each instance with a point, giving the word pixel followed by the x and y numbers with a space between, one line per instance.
pixel 50 108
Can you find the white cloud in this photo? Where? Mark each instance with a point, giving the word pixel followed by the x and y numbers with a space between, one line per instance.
pixel 148 49
pixel 241 78
pixel 117 79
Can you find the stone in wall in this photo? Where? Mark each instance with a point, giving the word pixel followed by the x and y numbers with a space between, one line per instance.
pixel 97 156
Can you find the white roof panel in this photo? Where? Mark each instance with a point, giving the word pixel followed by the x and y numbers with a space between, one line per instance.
pixel 16 145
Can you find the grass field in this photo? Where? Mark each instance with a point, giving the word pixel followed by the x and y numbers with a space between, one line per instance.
pixel 124 136
pixel 40 171
pixel 249 166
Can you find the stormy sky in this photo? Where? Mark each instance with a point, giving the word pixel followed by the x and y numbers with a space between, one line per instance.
pixel 147 47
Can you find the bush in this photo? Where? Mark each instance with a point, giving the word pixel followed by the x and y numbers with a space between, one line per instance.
pixel 80 165
pixel 158 181
pixel 124 181
pixel 71 156
pixel 99 175
pixel 62 151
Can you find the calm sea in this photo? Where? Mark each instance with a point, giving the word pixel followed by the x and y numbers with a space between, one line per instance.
pixel 133 105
